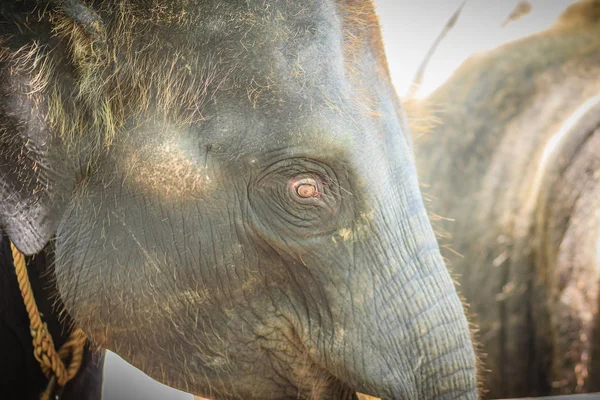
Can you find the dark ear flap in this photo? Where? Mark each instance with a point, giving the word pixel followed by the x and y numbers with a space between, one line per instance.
pixel 27 212
pixel 37 88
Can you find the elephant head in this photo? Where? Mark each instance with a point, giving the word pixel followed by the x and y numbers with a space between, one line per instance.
pixel 231 196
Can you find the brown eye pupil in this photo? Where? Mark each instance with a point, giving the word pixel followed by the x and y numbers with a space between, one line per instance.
pixel 306 190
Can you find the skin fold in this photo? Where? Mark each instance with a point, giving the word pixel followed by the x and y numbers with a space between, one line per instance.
pixel 511 166
pixel 230 196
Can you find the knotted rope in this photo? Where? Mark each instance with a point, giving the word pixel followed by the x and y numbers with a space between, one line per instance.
pixel 51 361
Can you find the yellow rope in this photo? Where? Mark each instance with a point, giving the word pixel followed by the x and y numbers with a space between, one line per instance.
pixel 51 361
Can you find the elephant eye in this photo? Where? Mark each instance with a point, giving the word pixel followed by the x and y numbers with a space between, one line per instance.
pixel 305 188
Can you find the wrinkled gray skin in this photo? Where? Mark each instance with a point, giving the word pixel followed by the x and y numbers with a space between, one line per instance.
pixel 162 147
pixel 513 168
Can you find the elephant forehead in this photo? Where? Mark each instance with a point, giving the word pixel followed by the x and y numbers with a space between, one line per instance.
pixel 248 132
pixel 163 162
pixel 258 48
pixel 182 158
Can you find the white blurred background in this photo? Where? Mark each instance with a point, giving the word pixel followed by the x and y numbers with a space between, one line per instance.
pixel 409 28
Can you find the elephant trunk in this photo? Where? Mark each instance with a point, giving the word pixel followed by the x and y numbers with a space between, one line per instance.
pixel 402 332
pixel 406 335
pixel 416 342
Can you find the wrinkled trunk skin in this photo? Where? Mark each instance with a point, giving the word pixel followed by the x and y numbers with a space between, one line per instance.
pixel 408 324
pixel 428 348
pixel 512 171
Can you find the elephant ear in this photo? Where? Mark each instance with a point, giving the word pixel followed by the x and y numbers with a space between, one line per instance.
pixel 36 84
pixel 27 205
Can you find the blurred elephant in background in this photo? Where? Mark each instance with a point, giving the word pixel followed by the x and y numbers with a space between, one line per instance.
pixel 509 151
